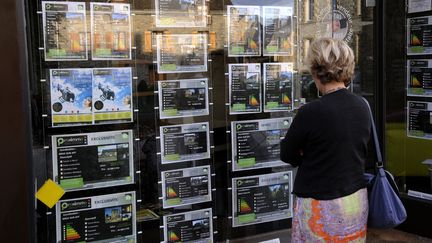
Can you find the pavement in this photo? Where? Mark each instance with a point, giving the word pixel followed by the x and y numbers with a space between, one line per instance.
pixel 394 236
pixel 373 236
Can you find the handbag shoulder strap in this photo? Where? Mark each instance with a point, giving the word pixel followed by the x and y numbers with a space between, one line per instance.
pixel 379 164
pixel 375 136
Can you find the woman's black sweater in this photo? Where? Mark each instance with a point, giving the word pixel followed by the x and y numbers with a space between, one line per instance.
pixel 328 141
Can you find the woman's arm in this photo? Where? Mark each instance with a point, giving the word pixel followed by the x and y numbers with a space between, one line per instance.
pixel 293 144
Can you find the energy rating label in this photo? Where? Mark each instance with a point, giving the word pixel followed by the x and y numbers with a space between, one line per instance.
pixel 70 233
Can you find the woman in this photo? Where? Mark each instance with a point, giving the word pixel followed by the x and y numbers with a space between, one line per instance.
pixel 327 141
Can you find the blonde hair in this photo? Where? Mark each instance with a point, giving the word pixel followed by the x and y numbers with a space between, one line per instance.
pixel 331 60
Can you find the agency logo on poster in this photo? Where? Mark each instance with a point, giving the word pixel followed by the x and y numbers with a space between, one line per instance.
pixel 336 23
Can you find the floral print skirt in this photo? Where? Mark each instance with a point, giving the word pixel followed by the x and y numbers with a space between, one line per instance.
pixel 339 220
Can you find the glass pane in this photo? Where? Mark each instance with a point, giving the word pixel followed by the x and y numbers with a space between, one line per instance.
pixel 175 109
pixel 408 98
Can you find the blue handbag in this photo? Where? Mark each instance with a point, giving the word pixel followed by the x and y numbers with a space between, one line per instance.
pixel 385 207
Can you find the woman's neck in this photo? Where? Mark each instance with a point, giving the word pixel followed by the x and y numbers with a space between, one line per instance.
pixel 332 87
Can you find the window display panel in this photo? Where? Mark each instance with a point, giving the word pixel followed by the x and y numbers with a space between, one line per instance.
pixel 262 198
pixel 194 226
pixel 244 30
pixel 419 36
pixel 64 31
pixel 181 53
pixel 415 6
pixel 71 97
pixel 278 87
pixel 93 160
pixel 183 98
pixel 110 31
pixel 173 65
pixel 419 77
pixel 112 95
pixel 245 88
pixel 186 186
pixel 278 31
pixel 420 119
pixel 256 143
pixel 107 218
pixel 181 13
pixel 185 142
pixel 407 114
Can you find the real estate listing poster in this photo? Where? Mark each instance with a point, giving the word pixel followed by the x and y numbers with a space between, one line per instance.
pixel 278 87
pixel 181 13
pixel 245 88
pixel 261 198
pixel 415 6
pixel 256 143
pixel 244 31
pixel 93 160
pixel 419 120
pixel 181 53
pixel 193 226
pixel 419 77
pixel 65 31
pixel 185 142
pixel 278 31
pixel 71 97
pixel 112 95
pixel 419 36
pixel 186 186
pixel 106 218
pixel 110 31
pixel 183 98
